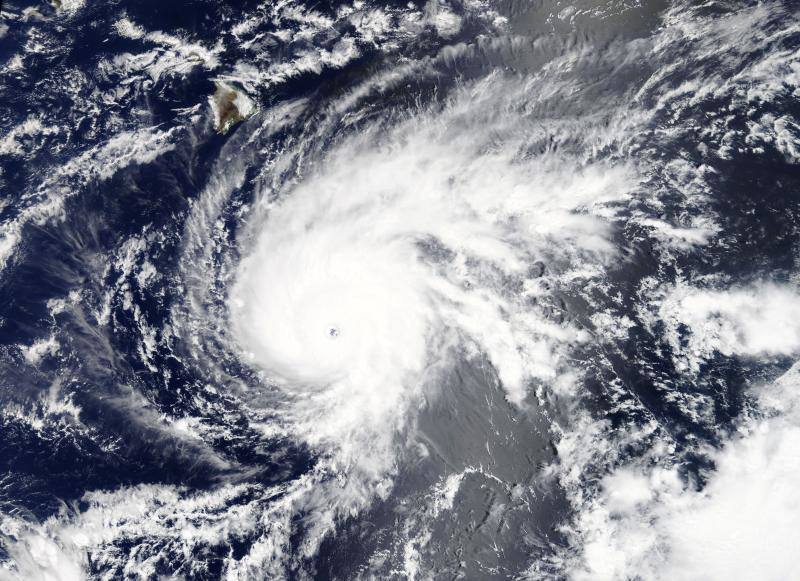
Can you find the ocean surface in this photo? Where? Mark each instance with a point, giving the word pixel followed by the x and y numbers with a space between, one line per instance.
pixel 456 289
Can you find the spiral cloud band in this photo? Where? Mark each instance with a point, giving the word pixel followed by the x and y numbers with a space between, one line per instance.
pixel 401 249
pixel 459 289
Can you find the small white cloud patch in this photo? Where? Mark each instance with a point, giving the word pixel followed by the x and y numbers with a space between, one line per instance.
pixel 760 320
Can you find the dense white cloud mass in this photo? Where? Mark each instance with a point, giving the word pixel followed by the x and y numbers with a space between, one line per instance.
pixel 647 520
pixel 399 249
pixel 742 525
pixel 351 251
pixel 761 320
pixel 40 558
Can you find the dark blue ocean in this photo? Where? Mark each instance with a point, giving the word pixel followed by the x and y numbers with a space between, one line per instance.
pixel 387 290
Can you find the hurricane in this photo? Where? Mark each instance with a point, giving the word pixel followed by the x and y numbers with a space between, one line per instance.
pixel 379 290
